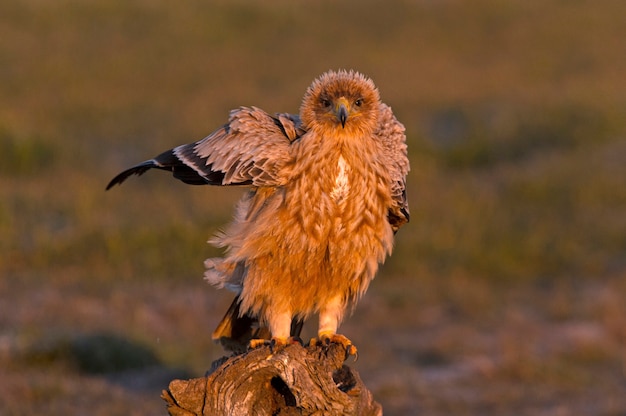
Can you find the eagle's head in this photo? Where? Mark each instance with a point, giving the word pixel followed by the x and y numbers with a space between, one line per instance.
pixel 341 103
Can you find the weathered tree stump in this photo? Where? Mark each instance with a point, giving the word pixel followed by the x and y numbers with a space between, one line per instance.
pixel 294 380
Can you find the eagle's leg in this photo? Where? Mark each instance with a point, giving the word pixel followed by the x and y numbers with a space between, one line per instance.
pixel 330 316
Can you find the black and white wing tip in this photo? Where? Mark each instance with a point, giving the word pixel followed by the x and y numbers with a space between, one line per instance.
pixel 184 164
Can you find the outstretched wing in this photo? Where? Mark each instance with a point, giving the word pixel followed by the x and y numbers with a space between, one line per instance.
pixel 251 149
pixel 391 134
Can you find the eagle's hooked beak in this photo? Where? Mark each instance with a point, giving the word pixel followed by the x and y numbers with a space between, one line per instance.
pixel 342 110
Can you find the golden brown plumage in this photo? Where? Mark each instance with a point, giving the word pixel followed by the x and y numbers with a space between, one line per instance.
pixel 327 194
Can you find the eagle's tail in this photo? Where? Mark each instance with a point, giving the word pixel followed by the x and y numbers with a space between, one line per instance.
pixel 235 330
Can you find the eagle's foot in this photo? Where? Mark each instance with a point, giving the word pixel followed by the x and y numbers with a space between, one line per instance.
pixel 258 343
pixel 275 344
pixel 327 339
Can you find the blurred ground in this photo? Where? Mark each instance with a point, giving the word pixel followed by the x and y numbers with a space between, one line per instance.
pixel 507 291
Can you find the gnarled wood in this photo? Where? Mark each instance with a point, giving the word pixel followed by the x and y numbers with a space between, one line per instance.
pixel 294 380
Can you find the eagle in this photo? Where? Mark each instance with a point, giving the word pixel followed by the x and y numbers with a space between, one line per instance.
pixel 326 195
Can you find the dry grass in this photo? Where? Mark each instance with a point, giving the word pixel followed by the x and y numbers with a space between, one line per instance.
pixel 506 293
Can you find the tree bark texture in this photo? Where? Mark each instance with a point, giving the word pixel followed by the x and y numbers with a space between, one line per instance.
pixel 293 380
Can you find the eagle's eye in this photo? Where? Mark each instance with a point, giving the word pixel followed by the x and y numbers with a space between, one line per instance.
pixel 359 102
pixel 325 102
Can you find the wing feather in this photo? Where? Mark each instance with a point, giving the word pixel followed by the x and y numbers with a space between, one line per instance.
pixel 251 149
pixel 391 133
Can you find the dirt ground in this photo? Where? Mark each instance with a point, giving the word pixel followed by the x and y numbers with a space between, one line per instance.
pixel 521 351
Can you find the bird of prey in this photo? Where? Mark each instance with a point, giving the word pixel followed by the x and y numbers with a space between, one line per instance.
pixel 326 196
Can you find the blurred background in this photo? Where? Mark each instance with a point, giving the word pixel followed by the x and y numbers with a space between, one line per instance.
pixel 506 293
